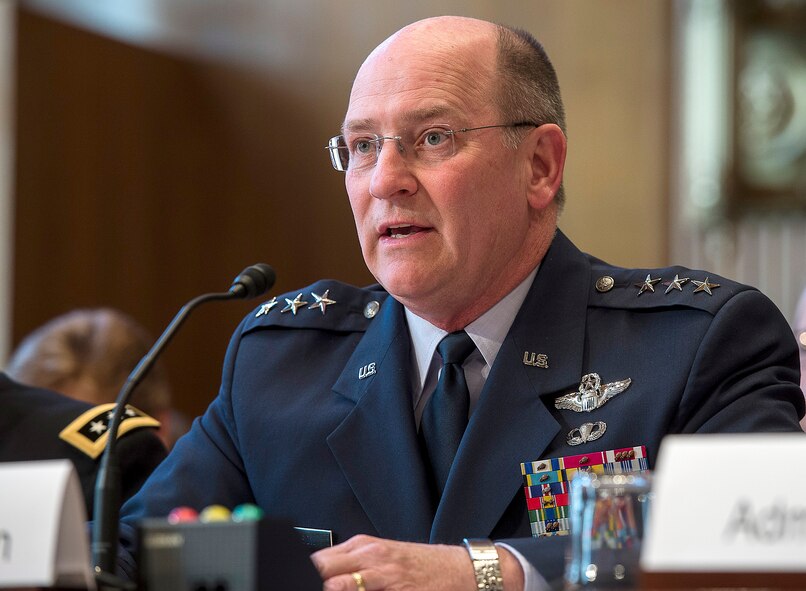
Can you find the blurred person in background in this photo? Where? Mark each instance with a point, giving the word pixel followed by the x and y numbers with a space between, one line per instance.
pixel 38 424
pixel 87 354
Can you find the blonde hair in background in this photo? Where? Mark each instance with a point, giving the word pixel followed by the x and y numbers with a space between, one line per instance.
pixel 87 354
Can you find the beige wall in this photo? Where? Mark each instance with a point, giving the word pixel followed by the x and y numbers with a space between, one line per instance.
pixel 612 59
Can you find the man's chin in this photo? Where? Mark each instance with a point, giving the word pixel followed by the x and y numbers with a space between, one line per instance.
pixel 407 287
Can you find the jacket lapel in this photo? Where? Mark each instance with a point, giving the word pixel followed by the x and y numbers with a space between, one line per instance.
pixel 512 422
pixel 376 445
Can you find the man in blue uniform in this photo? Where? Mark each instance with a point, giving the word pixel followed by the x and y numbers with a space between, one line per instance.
pixel 339 406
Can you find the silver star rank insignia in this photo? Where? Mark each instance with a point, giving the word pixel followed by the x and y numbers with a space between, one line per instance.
pixel 704 286
pixel 591 394
pixel 647 285
pixel 322 301
pixel 266 308
pixel 676 283
pixel 294 305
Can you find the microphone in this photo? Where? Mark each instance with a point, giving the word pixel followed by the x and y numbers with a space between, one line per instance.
pixel 252 282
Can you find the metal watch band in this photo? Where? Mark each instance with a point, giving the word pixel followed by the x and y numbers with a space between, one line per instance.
pixel 486 564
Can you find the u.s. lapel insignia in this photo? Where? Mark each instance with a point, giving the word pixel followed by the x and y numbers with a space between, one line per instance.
pixel 294 305
pixel 536 359
pixel 647 285
pixel 591 394
pixel 322 301
pixel 366 371
pixel 266 308
pixel 587 432
pixel 704 286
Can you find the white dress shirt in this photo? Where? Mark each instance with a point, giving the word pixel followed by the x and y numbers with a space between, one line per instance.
pixel 488 333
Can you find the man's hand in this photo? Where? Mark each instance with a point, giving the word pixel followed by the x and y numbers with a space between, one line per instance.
pixel 405 566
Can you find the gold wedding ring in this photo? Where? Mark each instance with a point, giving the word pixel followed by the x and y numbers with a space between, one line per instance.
pixel 359 582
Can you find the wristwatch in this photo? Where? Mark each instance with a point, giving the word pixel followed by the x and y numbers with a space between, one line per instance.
pixel 486 564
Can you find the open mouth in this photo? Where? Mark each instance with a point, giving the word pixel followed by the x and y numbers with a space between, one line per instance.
pixel 402 231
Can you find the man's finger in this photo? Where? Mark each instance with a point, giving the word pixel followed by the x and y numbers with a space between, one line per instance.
pixel 354 581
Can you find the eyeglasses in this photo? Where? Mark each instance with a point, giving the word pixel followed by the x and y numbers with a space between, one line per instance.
pixel 360 151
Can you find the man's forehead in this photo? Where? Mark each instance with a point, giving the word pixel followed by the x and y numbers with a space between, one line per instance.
pixel 413 77
pixel 440 113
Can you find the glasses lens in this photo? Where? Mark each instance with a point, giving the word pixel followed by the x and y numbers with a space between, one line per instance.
pixel 339 154
pixel 434 145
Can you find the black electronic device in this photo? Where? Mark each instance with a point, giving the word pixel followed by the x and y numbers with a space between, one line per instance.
pixel 263 555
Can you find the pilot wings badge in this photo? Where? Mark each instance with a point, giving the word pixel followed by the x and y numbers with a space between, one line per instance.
pixel 591 394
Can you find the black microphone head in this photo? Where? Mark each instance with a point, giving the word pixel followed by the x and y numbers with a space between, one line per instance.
pixel 253 281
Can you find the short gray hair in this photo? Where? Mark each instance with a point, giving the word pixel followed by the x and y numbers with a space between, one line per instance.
pixel 528 89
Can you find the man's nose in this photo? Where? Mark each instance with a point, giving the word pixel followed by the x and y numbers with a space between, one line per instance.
pixel 392 175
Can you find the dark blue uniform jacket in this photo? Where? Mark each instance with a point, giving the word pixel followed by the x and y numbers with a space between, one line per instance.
pixel 303 428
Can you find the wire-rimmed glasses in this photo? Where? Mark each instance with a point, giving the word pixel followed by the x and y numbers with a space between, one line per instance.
pixel 357 152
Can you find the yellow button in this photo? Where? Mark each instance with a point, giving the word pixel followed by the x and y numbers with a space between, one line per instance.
pixel 214 513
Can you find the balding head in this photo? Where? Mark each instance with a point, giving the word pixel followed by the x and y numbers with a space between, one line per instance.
pixel 453 199
pixel 467 46
pixel 440 33
pixel 508 67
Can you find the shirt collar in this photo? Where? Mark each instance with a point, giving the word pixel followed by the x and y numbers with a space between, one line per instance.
pixel 488 331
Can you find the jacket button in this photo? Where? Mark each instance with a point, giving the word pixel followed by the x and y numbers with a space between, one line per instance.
pixel 604 284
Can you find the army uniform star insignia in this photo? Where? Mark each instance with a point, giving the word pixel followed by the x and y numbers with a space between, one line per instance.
pixel 647 285
pixel 322 301
pixel 591 394
pixel 676 283
pixel 97 427
pixel 90 431
pixel 266 308
pixel 294 305
pixel 704 286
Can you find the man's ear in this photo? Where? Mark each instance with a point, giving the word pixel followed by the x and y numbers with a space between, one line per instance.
pixel 547 144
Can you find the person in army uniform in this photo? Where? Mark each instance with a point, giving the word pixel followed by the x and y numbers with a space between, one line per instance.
pixel 88 354
pixel 39 424
pixel 453 150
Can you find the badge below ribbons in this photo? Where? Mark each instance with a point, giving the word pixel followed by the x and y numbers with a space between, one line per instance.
pixel 546 483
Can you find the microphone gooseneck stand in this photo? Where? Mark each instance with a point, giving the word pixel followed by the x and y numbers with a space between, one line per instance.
pixel 252 282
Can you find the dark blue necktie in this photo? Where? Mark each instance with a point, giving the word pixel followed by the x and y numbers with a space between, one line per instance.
pixel 445 416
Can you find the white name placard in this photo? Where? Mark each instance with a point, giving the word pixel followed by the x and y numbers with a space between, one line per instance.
pixel 43 536
pixel 728 503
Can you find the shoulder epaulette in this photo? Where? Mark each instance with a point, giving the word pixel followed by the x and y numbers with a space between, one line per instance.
pixel 326 304
pixel 616 287
pixel 88 432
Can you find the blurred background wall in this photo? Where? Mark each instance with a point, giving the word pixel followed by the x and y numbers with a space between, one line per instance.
pixel 7 39
pixel 160 146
